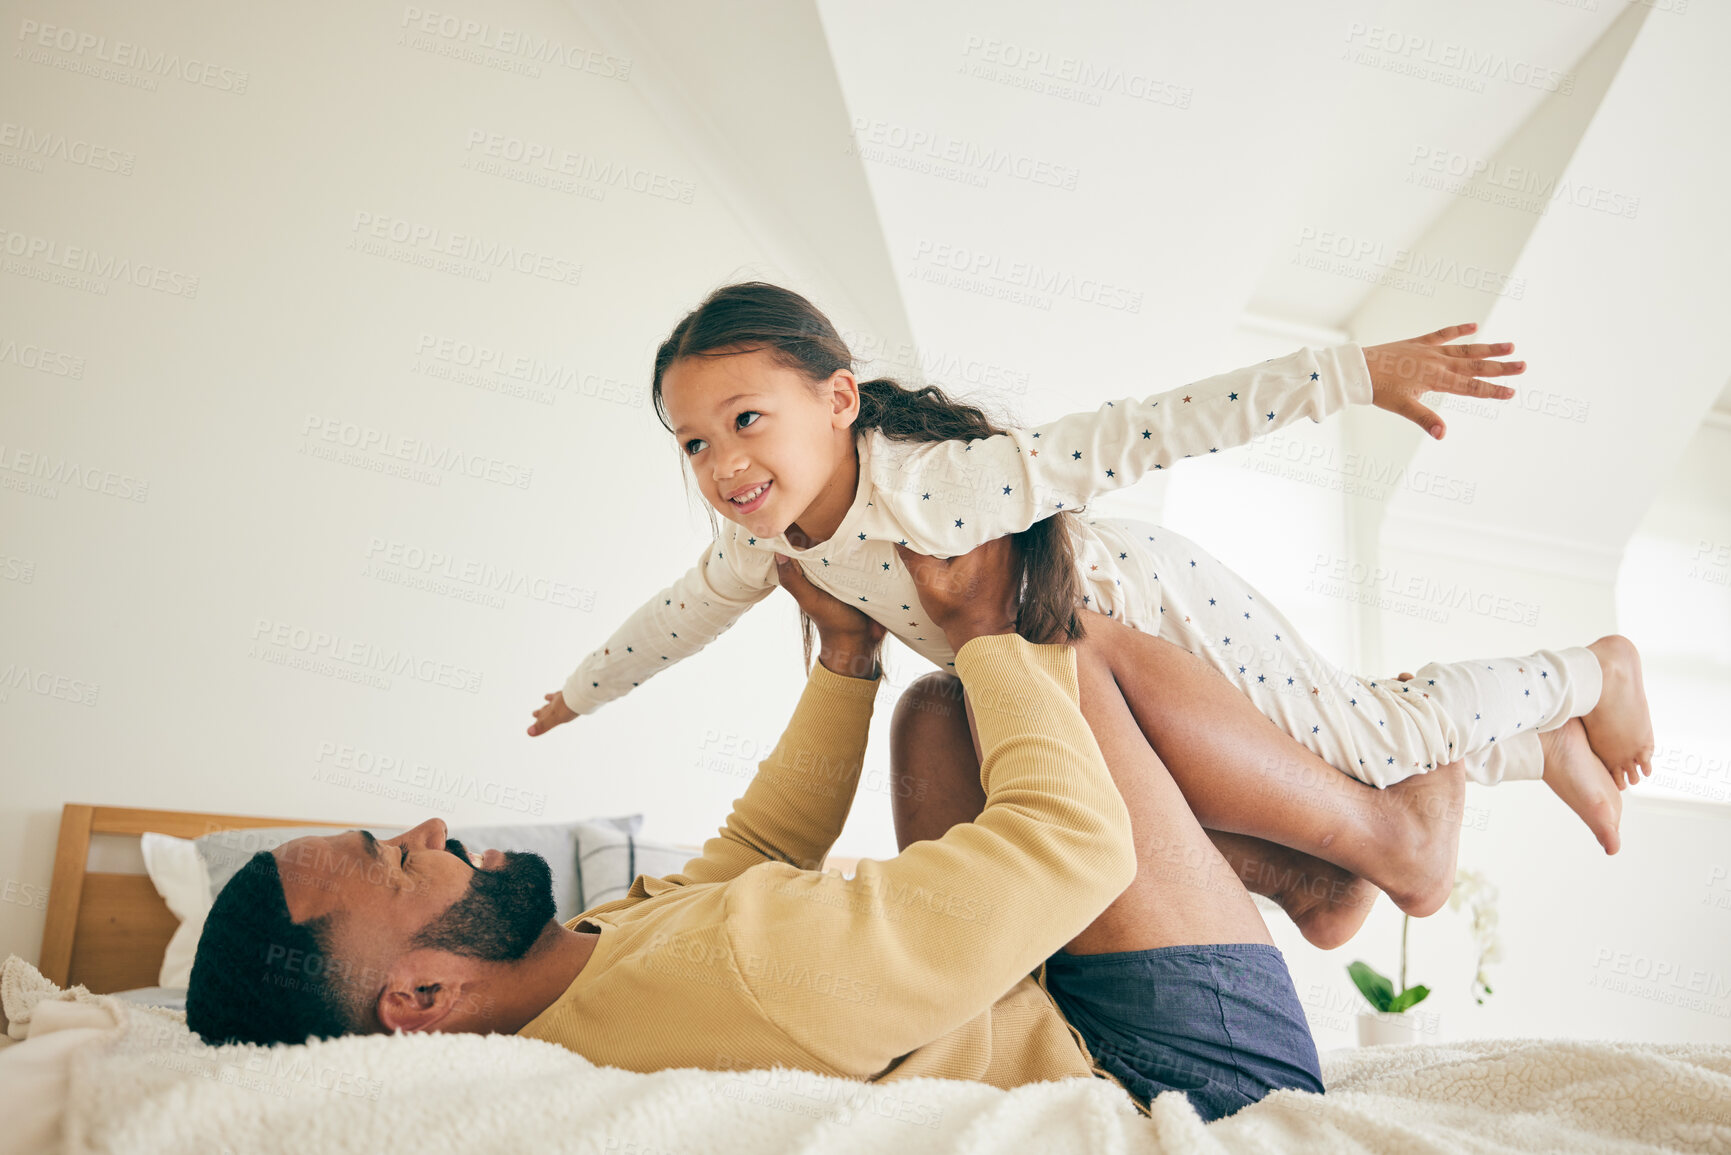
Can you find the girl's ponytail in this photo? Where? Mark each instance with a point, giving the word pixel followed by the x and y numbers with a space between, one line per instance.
pixel 754 314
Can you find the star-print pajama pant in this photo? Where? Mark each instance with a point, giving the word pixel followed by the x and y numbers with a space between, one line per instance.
pixel 1486 712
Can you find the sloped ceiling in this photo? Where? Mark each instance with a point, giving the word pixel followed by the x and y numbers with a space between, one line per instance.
pixel 1064 203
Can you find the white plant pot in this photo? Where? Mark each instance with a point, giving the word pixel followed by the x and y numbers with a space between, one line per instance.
pixel 1377 1027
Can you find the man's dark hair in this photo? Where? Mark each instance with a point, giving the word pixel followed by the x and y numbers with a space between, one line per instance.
pixel 261 977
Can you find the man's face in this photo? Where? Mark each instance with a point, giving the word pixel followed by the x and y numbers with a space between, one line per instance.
pixel 418 892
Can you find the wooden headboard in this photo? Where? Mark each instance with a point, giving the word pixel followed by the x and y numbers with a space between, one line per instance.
pixel 109 931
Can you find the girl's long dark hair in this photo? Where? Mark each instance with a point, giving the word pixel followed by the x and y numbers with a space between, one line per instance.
pixel 755 315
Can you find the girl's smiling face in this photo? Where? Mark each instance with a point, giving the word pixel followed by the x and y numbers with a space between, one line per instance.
pixel 758 432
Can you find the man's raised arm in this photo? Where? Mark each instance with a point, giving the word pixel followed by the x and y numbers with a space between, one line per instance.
pixel 937 934
pixel 795 806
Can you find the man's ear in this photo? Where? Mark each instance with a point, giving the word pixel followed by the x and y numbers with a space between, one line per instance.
pixel 422 998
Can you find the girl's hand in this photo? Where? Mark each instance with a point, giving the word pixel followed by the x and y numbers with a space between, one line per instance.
pixel 554 713
pixel 1401 370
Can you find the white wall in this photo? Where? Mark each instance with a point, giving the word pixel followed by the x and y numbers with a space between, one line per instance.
pixel 1674 592
pixel 156 617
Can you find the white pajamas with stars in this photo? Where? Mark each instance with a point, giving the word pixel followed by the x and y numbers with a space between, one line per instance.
pixel 944 498
pixel 1488 712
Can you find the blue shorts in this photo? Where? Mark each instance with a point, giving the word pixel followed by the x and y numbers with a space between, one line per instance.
pixel 1219 1022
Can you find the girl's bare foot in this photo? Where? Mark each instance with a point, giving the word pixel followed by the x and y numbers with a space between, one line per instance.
pixel 1619 728
pixel 1426 810
pixel 1579 778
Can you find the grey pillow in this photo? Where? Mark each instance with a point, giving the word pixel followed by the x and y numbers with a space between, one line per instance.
pixel 226 851
pixel 609 857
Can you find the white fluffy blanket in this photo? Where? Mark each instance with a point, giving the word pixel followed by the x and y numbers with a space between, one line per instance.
pixel 134 1079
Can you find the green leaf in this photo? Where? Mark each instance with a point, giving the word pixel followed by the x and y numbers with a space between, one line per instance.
pixel 1410 997
pixel 1376 988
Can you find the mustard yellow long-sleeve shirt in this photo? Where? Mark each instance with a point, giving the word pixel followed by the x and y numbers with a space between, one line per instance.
pixel 922 965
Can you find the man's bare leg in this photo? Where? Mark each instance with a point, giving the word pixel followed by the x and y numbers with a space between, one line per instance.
pixel 935 768
pixel 1184 892
pixel 1242 774
pixel 1327 903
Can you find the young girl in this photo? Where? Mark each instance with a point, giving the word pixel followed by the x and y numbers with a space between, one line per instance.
pixel 803 461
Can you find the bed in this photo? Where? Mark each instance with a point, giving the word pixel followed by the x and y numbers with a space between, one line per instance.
pixel 107 931
pixel 97 1058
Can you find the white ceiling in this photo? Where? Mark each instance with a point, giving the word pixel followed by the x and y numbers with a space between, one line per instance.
pixel 910 163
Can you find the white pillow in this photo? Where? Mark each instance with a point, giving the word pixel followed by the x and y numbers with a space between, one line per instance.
pixel 609 861
pixel 177 871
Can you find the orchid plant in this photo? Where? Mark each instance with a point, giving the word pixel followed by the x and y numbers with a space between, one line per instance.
pixel 1478 895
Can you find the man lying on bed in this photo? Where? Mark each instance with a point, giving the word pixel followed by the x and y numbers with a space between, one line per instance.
pixel 933 963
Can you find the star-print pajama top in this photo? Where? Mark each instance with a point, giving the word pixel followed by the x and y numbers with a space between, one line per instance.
pixel 943 498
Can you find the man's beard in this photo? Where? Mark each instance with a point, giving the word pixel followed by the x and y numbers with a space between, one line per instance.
pixel 502 913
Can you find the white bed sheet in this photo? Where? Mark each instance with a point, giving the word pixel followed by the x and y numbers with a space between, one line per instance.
pixel 103 1074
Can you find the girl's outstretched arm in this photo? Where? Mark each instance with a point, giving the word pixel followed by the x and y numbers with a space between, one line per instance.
pixel 728 579
pixel 953 495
